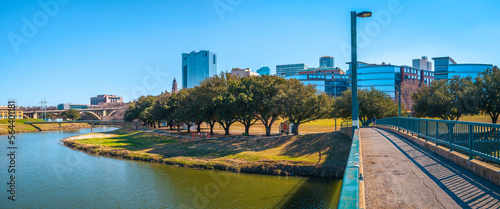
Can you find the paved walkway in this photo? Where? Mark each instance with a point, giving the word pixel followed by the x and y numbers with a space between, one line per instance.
pixel 401 174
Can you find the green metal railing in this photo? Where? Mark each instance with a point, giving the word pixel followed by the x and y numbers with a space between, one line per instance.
pixel 349 195
pixel 474 139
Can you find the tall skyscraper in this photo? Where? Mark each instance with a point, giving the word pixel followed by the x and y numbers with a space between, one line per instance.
pixel 174 87
pixel 264 71
pixel 196 66
pixel 326 62
pixel 422 64
pixel 290 69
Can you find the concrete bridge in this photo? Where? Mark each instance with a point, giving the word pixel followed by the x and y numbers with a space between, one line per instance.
pixel 94 113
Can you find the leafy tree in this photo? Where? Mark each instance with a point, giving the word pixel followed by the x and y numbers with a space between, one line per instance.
pixel 246 103
pixel 206 93
pixel 71 114
pixel 372 102
pixel 448 100
pixel 268 92
pixel 195 103
pixel 225 103
pixel 136 108
pixel 180 102
pixel 302 103
pixel 488 92
pixel 159 111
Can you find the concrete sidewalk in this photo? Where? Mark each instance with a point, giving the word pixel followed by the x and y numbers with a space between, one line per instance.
pixel 401 174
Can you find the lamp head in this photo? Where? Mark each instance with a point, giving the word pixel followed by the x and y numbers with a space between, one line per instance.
pixel 365 14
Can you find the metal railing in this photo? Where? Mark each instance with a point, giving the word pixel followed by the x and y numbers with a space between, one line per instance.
pixel 349 195
pixel 474 139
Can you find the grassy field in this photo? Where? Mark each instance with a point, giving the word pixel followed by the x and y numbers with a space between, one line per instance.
pixel 20 127
pixel 322 154
pixel 477 118
pixel 318 126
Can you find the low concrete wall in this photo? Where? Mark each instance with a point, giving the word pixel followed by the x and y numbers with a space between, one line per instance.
pixel 480 168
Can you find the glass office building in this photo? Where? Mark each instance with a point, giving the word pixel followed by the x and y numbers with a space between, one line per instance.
pixel 387 77
pixel 290 69
pixel 197 66
pixel 332 81
pixel 446 68
pixel 71 106
pixel 381 77
pixel 264 71
pixel 327 61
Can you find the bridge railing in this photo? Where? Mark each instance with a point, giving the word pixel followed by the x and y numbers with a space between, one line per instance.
pixel 475 139
pixel 350 192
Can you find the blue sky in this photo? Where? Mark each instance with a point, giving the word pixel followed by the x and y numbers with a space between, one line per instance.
pixel 83 48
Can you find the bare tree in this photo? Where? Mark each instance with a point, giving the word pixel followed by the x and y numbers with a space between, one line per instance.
pixel 408 88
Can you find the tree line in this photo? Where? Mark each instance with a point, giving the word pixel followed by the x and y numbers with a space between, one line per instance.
pixel 457 97
pixel 226 99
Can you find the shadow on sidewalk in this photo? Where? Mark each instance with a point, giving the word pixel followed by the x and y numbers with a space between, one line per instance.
pixel 465 188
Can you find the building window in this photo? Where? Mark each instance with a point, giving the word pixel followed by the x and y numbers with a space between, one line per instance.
pixel 214 59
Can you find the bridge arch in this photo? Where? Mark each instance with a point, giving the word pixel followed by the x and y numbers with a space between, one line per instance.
pixel 111 113
pixel 91 114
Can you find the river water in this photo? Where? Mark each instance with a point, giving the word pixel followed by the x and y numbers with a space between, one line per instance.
pixel 50 175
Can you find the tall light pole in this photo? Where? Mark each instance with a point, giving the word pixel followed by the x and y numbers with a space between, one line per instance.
pixel 399 95
pixel 354 68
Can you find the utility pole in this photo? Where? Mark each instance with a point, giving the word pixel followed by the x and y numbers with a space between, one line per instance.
pixel 43 109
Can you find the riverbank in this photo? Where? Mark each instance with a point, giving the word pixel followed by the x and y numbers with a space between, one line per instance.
pixel 20 127
pixel 321 155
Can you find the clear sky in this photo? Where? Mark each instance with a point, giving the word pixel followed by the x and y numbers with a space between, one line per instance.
pixel 76 49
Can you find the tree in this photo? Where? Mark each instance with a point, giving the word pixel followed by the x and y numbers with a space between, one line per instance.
pixel 267 93
pixel 408 88
pixel 488 92
pixel 71 114
pixel 136 108
pixel 302 103
pixel 246 103
pixel 372 102
pixel 225 103
pixel 446 99
pixel 206 93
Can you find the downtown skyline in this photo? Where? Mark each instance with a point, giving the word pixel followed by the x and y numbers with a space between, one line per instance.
pixel 90 48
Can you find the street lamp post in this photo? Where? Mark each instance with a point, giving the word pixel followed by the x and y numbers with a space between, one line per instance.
pixel 354 68
pixel 399 98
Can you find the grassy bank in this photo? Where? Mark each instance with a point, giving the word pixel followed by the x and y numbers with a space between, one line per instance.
pixel 20 127
pixel 323 154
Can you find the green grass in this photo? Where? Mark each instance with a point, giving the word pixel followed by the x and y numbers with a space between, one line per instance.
pixel 19 125
pixel 133 140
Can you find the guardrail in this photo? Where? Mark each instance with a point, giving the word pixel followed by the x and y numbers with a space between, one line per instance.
pixel 475 139
pixel 350 192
